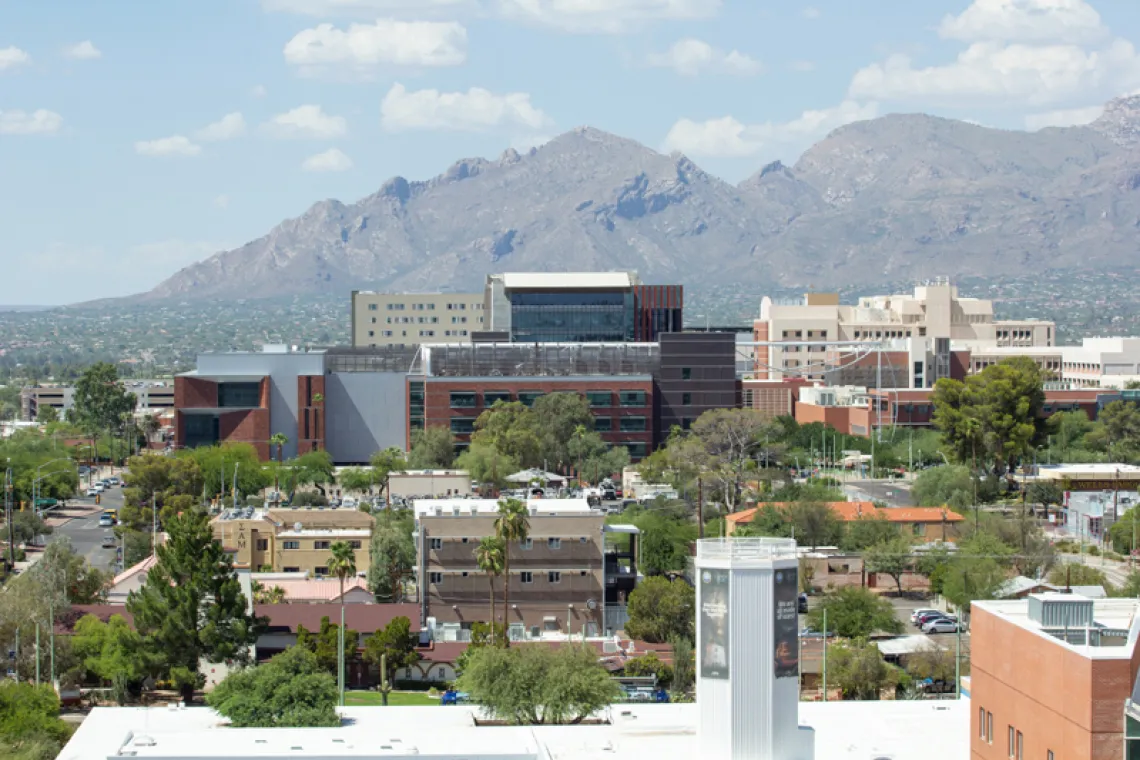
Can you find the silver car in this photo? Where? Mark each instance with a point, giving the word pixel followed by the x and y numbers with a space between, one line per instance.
pixel 941 625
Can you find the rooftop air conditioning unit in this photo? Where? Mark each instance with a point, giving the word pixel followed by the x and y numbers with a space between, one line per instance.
pixel 439 511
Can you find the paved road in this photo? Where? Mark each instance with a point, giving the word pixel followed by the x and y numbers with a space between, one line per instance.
pixel 895 493
pixel 84 531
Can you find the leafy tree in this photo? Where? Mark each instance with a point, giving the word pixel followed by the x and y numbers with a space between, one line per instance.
pixel 26 526
pixel 1044 492
pixel 997 413
pixel 730 438
pixel 433 448
pixel 1075 574
pixel 486 464
pixel 313 468
pixel 511 526
pixel 649 664
pixel 289 691
pixel 393 555
pixel 384 463
pixel 1130 588
pixel 979 570
pixel 111 651
pixel 535 685
pixel 137 546
pixel 1121 532
pixel 891 557
pixel 30 726
pixel 482 635
pixel 357 479
pixel 490 555
pixel 394 646
pixel 660 610
pixel 939 486
pixel 512 429
pixel 815 524
pixel 867 531
pixel 192 606
pixel 935 664
pixel 857 668
pixel 46 414
pixel 854 612
pixel 768 520
pixel 1121 425
pixel 325 643
pixel 561 415
pixel 278 441
pixel 684 665
pixel 216 465
pixel 263 594
pixel 101 403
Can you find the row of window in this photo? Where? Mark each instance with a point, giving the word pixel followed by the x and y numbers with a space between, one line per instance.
pixel 263 544
pixel 596 399
pixel 424 307
pixel 466 425
pixel 526 544
pixel 525 576
pixel 1015 740
pixel 423 333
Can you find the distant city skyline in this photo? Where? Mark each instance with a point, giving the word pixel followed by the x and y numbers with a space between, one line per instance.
pixel 139 138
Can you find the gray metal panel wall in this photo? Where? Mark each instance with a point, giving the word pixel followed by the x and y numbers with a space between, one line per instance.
pixel 364 413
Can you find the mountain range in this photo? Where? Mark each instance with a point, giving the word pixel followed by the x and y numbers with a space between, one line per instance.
pixel 898 197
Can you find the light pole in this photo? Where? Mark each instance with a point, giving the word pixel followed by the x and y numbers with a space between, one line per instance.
pixel 236 465
pixel 37 479
pixel 35 484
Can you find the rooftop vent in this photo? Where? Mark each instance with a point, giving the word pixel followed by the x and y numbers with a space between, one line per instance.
pixel 1052 610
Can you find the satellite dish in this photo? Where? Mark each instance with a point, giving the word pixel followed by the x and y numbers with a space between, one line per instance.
pixel 591 604
pixel 297 527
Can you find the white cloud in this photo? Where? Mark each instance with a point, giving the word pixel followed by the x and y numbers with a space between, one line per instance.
pixel 605 16
pixel 360 46
pixel 326 8
pixel 474 110
pixel 728 137
pixel 226 128
pixel 306 121
pixel 222 201
pixel 332 160
pixel 258 91
pixel 38 122
pixel 83 51
pixel 811 13
pixel 11 57
pixel 1070 117
pixel 175 145
pixel 690 57
pixel 1025 21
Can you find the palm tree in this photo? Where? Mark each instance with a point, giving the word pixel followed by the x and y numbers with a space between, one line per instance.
pixel 279 440
pixel 150 427
pixel 489 555
pixel 511 525
pixel 342 563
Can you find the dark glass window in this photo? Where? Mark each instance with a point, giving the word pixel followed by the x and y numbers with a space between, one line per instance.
pixel 686 373
pixel 633 424
pixel 462 425
pixel 239 394
pixel 686 399
pixel 200 429
pixel 636 449
pixel 600 399
pixel 632 398
pixel 603 424
pixel 529 397
pixel 490 398
pixel 579 316
pixel 416 405
pixel 463 399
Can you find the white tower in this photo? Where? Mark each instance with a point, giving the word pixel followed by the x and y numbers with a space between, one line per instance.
pixel 748 684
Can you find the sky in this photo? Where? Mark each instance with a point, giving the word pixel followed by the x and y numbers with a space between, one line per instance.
pixel 139 137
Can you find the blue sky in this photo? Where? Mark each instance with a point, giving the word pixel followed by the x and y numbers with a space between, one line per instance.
pixel 137 137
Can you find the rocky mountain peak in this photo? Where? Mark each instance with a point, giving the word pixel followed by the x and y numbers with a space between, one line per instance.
pixel 1120 121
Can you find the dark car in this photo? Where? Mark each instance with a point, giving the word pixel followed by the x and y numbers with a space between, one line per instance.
pixel 928 617
pixel 802 605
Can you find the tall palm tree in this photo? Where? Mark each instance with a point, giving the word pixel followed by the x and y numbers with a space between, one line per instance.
pixel 150 427
pixel 279 440
pixel 489 555
pixel 511 525
pixel 342 563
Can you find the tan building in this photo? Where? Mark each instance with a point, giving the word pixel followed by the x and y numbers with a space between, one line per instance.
pixel 1053 677
pixel 924 324
pixel 292 540
pixel 560 576
pixel 435 483
pixel 411 319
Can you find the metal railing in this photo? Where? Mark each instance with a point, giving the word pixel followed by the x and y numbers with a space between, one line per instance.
pixel 746 548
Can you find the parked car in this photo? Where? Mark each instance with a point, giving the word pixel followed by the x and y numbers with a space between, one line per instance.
pixel 112 481
pixel 109 541
pixel 914 616
pixel 802 604
pixel 106 521
pixel 99 487
pixel 941 625
pixel 928 617
pixel 93 491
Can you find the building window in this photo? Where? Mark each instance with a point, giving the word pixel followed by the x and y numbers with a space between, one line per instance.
pixel 239 394
pixel 435 578
pixel 526 577
pixel 374 320
pixel 436 544
pixel 263 544
pixel 462 425
pixel 321 544
pixel 526 544
pixel 989 727
pixel 1049 755
pixel 554 543
pixel 632 398
pixel 686 399
pixel 490 398
pixel 372 307
pixel 636 449
pixel 686 423
pixel 600 399
pixel 632 425
pixel 981 723
pixel 291 545
pixel 371 334
pixel 1019 746
pixel 554 577
pixel 321 571
pixel 603 424
pixel 463 399
pixel 290 569
pixel 527 398
pixel 354 544
pixel 686 373
pixel 1011 747
pixel 920 529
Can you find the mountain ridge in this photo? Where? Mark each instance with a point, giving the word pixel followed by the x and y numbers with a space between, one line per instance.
pixel 904 195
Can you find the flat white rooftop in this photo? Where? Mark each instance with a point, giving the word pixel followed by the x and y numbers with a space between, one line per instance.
pixel 933 730
pixel 1111 614
pixel 570 280
pixel 484 507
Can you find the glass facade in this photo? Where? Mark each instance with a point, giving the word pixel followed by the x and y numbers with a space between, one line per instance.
pixel 200 429
pixel 241 395
pixel 632 398
pixel 600 399
pixel 416 404
pixel 633 424
pixel 463 425
pixel 603 424
pixel 527 398
pixel 463 400
pixel 590 316
pixel 490 398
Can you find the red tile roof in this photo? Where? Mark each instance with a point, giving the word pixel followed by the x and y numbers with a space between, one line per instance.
pixel 849 511
pixel 363 618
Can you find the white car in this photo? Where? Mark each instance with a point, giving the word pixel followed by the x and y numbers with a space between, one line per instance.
pixel 348 502
pixel 93 491
pixel 941 625
pixel 99 487
pixel 914 616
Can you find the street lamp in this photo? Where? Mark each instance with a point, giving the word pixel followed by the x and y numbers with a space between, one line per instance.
pixel 36 480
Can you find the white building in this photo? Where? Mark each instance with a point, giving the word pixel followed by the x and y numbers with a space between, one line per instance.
pixel 1101 362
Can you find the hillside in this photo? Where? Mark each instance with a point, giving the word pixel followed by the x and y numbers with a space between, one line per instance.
pixel 899 197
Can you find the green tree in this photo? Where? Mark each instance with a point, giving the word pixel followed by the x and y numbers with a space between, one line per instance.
pixel 278 441
pixel 110 651
pixel 936 664
pixel 313 468
pixel 26 526
pixel 342 564
pixel 394 647
pixel 857 668
pixel 30 726
pixel 649 664
pixel 490 555
pixel 935 565
pixel 1122 532
pixel 46 414
pixel 1044 492
pixel 867 531
pixel 1075 574
pixel 191 606
pixel 730 438
pixel 356 479
pixel 978 571
pixel 1131 586
pixel 393 555
pixel 482 635
pixel 561 414
pixel 217 465
pixel 891 557
pixel 512 525
pixel 289 691
pixel 939 486
pixel 815 524
pixel 433 448
pixel 325 643
pixel 101 403
pixel 537 685
pixel 768 520
pixel 660 610
pixel 384 463
pixel 512 429
pixel 684 665
pixel 854 612
pixel 487 465
pixel 1120 421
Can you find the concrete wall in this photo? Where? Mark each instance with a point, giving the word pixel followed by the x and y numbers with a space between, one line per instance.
pixel 365 412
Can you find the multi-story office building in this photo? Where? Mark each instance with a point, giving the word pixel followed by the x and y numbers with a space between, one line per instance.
pixel 798 339
pixel 412 319
pixel 563 578
pixel 291 540
pixel 1053 676
pixel 1101 363
pixel 580 307
pixel 151 397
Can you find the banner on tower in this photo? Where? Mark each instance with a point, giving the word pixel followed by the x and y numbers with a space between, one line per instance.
pixel 785 628
pixel 714 623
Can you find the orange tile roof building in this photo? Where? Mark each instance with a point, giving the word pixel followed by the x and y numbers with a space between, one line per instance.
pixel 923 523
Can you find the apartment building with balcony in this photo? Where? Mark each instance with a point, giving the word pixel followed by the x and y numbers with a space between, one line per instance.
pixel 1053 676
pixel 563 579
pixel 292 540
pixel 412 319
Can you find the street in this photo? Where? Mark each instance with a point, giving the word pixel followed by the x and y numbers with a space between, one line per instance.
pixel 79 521
pixel 893 493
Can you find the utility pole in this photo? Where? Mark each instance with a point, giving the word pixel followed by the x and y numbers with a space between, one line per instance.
pixel 8 514
pixel 700 508
pixel 236 465
pixel 824 654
